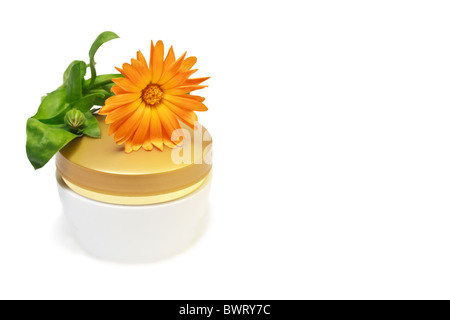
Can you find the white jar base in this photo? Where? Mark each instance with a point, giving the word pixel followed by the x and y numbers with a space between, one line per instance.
pixel 136 234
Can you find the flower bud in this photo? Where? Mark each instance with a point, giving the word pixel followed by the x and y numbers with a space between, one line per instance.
pixel 75 119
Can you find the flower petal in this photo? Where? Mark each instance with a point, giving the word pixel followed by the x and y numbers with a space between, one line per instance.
pixel 128 146
pixel 194 81
pixel 168 120
pixel 178 79
pixel 188 117
pixel 113 127
pixel 188 64
pixel 168 140
pixel 143 70
pixel 117 90
pixel 157 60
pixel 148 145
pixel 172 71
pixel 126 85
pixel 122 113
pixel 143 130
pixel 127 129
pixel 186 103
pixel 156 130
pixel 136 77
pixel 141 58
pixel 115 102
pixel 193 97
pixel 183 90
pixel 170 124
pixel 170 59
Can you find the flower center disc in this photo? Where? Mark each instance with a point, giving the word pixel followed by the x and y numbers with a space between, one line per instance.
pixel 152 95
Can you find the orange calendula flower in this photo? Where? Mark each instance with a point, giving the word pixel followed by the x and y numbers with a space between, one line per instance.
pixel 151 99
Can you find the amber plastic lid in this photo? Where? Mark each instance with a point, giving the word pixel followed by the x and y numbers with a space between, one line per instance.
pixel 101 170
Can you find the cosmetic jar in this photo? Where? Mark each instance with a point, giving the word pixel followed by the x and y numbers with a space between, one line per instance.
pixel 142 206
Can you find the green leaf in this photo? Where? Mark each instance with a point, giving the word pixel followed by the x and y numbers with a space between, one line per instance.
pixel 84 104
pixel 102 80
pixel 67 72
pixel 105 90
pixel 52 105
pixel 100 91
pixel 44 141
pixel 101 39
pixel 47 132
pixel 87 102
pixel 92 127
pixel 108 87
pixel 74 83
pixel 58 119
pixel 100 101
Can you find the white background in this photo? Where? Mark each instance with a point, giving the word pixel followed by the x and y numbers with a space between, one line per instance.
pixel 331 125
